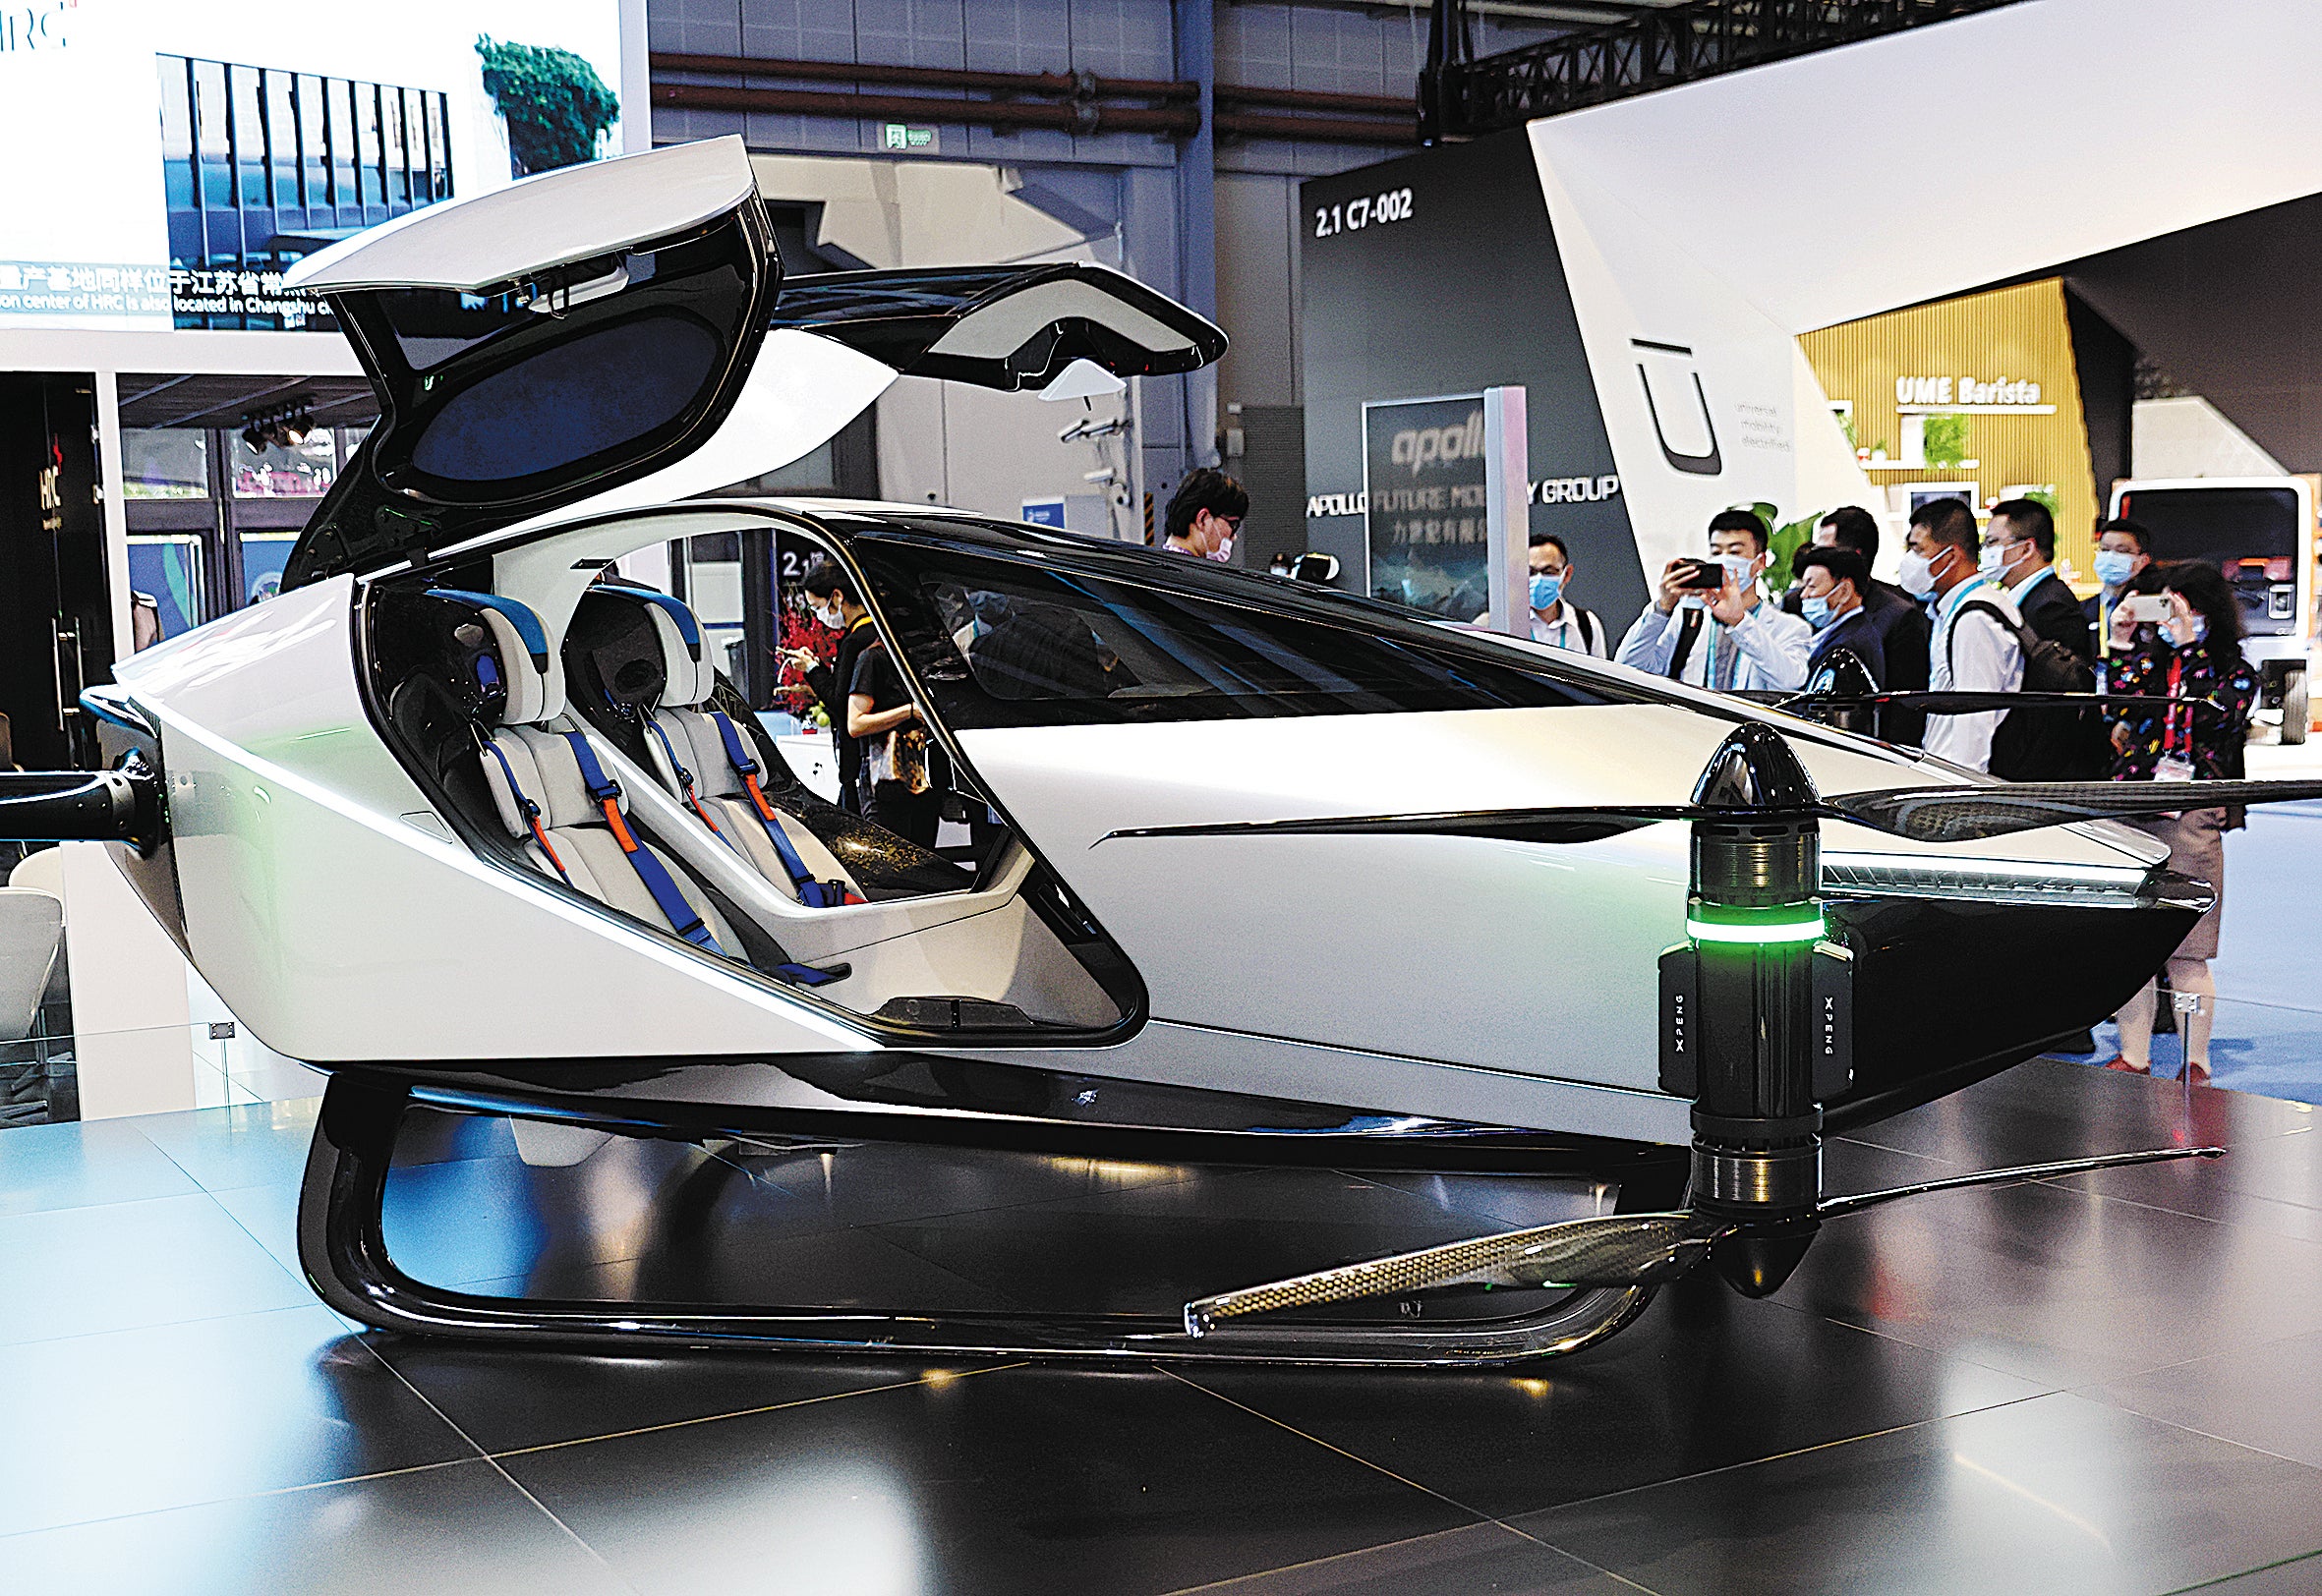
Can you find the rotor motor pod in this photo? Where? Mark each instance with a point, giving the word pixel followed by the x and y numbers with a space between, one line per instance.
pixel 1756 1026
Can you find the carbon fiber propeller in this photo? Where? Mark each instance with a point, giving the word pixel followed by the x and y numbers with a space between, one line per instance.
pixel 1960 813
pixel 1606 1250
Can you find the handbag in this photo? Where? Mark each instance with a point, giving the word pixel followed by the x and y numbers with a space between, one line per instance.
pixel 901 757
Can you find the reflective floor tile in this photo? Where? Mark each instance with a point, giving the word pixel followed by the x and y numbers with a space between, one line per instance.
pixel 2268 1397
pixel 269 1214
pixel 461 1528
pixel 255 1145
pixel 504 1397
pixel 2255 1182
pixel 2052 1496
pixel 78 1271
pixel 139 1420
pixel 79 1165
pixel 1479 1560
pixel 1018 1481
pixel 1150 1250
pixel 2048 1110
pixel 2058 1286
pixel 1704 1380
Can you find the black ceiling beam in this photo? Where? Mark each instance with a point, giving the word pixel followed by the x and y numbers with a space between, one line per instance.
pixel 1462 98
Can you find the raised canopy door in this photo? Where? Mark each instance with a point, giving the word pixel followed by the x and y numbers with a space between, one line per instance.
pixel 1006 327
pixel 539 345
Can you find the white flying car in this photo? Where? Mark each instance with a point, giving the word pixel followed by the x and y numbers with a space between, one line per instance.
pixel 1266 873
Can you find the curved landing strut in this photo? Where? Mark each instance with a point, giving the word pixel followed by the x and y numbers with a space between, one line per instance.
pixel 342 1247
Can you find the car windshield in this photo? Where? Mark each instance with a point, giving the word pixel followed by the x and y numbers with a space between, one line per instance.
pixel 1008 643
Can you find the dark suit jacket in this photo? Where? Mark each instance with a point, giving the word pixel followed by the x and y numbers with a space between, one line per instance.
pixel 1904 632
pixel 2051 611
pixel 1857 632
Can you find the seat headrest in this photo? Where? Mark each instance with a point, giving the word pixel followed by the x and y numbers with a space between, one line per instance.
pixel 531 675
pixel 690 678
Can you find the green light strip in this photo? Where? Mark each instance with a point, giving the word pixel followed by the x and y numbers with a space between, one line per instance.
pixel 1784 931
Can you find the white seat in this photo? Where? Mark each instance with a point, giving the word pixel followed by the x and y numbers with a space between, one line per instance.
pixel 31 931
pixel 689 753
pixel 532 764
pixel 44 870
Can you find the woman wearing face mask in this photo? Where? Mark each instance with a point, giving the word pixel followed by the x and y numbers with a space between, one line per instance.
pixel 2193 658
pixel 831 603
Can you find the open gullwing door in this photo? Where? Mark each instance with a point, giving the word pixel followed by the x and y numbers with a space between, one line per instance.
pixel 617 335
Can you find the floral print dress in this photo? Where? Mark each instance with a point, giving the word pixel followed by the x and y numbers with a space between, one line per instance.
pixel 2212 742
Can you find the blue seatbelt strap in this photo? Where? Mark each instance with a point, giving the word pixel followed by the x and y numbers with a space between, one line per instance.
pixel 529 809
pixel 650 870
pixel 811 892
pixel 685 781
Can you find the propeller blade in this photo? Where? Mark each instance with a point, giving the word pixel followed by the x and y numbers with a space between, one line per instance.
pixel 1840 1207
pixel 1610 1249
pixel 1983 702
pixel 1559 824
pixel 1971 814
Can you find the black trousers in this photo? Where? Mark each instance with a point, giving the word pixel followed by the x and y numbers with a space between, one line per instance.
pixel 910 815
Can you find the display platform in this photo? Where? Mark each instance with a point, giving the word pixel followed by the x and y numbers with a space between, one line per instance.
pixel 2102 1384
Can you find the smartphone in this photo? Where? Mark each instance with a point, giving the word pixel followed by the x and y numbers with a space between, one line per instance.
pixel 2145 608
pixel 1702 574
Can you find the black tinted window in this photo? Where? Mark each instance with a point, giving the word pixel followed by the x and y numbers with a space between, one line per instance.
pixel 1007 643
pixel 571 400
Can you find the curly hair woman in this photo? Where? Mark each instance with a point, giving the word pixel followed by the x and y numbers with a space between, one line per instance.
pixel 2195 658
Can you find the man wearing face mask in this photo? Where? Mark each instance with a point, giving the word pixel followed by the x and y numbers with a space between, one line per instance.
pixel 1556 619
pixel 1975 647
pixel 2122 549
pixel 1204 514
pixel 836 607
pixel 2019 554
pixel 1830 586
pixel 1729 638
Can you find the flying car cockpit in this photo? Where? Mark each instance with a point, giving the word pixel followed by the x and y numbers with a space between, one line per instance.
pixel 618 769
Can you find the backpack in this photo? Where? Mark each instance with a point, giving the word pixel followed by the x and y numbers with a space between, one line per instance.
pixel 2042 743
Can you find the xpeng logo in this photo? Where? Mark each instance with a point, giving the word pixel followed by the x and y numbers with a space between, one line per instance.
pixel 1421 447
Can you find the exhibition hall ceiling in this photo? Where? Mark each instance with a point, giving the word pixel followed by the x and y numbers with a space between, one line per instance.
pixel 1909 168
pixel 179 399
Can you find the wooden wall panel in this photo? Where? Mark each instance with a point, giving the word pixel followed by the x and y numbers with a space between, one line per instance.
pixel 2017 334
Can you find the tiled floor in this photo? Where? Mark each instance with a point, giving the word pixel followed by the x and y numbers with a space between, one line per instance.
pixel 2101 1385
pixel 2268 1036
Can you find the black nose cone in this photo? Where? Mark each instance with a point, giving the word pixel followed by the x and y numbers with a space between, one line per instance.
pixel 1756 1260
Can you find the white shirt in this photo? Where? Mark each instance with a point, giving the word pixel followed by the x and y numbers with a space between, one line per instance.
pixel 1766 651
pixel 1983 658
pixel 1566 631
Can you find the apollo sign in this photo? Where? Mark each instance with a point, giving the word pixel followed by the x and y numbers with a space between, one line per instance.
pixel 1415 448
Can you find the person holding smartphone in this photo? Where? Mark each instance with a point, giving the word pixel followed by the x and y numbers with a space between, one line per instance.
pixel 2179 637
pixel 833 604
pixel 1711 622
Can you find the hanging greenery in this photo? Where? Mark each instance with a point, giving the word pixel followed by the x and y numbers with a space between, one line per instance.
pixel 1946 438
pixel 557 108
